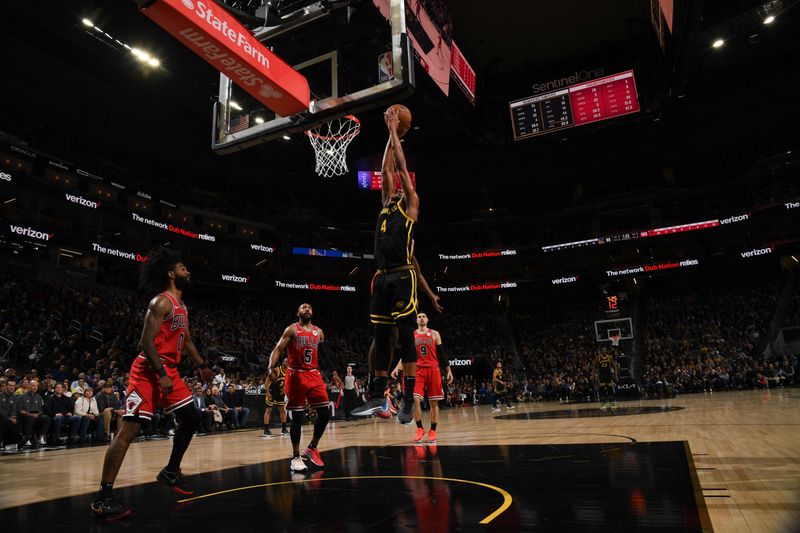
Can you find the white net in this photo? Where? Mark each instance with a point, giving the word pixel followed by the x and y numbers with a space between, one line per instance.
pixel 330 141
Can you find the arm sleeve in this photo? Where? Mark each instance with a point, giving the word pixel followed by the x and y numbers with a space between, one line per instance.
pixel 444 362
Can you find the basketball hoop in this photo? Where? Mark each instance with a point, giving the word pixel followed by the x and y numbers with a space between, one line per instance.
pixel 614 339
pixel 330 141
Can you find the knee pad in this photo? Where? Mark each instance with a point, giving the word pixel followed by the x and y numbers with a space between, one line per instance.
pixel 323 414
pixel 188 416
pixel 298 417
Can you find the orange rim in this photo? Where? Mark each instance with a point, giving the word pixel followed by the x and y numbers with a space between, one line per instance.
pixel 355 131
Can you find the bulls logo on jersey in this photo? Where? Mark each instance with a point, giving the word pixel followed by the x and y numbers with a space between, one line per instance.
pixel 178 321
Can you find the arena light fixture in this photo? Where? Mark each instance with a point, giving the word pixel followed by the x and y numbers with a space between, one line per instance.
pixel 153 62
pixel 286 137
pixel 259 120
pixel 235 105
pixel 718 43
pixel 769 20
pixel 88 23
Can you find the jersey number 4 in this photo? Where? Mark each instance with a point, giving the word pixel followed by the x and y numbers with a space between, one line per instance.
pixel 383 226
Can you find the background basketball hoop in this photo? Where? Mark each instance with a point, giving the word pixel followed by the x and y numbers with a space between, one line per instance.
pixel 614 339
pixel 330 141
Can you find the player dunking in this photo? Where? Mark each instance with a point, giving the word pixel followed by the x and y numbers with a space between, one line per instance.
pixel 303 341
pixel 430 357
pixel 394 287
pixel 604 367
pixel 274 386
pixel 154 380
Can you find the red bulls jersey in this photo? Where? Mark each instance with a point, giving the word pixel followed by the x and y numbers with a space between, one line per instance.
pixel 426 349
pixel 172 334
pixel 302 351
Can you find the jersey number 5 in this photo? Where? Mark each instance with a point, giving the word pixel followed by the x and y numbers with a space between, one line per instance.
pixel 307 356
pixel 383 226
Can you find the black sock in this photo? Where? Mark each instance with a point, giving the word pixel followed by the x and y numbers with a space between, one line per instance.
pixel 379 386
pixel 106 489
pixel 311 445
pixel 266 427
pixel 283 426
pixel 408 383
pixel 296 454
pixel 419 424
pixel 433 426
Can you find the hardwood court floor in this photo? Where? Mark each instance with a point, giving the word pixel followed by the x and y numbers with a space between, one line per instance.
pixel 579 472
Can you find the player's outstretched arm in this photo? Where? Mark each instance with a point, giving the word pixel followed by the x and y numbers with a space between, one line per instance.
pixel 159 307
pixel 397 369
pixel 283 342
pixel 409 194
pixel 425 287
pixel 387 174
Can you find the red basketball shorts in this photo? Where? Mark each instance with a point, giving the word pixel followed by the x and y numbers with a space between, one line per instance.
pixel 302 387
pixel 144 394
pixel 429 381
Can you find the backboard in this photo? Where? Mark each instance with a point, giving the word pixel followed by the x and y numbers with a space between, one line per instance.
pixel 620 326
pixel 353 57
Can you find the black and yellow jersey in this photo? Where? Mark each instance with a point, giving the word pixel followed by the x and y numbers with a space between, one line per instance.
pixel 394 236
pixel 604 364
pixel 496 378
pixel 278 381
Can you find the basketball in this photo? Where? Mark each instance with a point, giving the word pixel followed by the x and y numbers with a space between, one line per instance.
pixel 405 119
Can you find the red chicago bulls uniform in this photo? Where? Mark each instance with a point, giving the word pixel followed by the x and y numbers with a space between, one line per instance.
pixel 144 393
pixel 429 377
pixel 303 378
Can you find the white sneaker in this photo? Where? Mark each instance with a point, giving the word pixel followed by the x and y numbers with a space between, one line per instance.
pixel 171 433
pixel 495 409
pixel 298 465
pixel 511 406
pixel 41 441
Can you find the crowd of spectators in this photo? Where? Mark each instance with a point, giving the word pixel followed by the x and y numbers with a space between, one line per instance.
pixel 68 350
pixel 709 338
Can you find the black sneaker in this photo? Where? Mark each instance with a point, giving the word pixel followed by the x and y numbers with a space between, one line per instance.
pixel 108 508
pixel 175 481
pixel 405 416
pixel 267 433
pixel 369 408
pixel 284 432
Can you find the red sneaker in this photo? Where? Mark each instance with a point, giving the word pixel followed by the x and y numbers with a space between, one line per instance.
pixel 419 435
pixel 432 436
pixel 313 456
pixel 384 413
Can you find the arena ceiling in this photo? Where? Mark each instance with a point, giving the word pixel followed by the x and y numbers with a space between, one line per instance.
pixel 57 66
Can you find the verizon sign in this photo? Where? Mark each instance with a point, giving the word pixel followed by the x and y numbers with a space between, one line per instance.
pixel 32 233
pixel 234 278
pixel 80 200
pixel 756 252
pixel 229 47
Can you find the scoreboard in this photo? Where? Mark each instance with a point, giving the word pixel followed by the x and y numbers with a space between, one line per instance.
pixel 575 105
pixel 370 180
